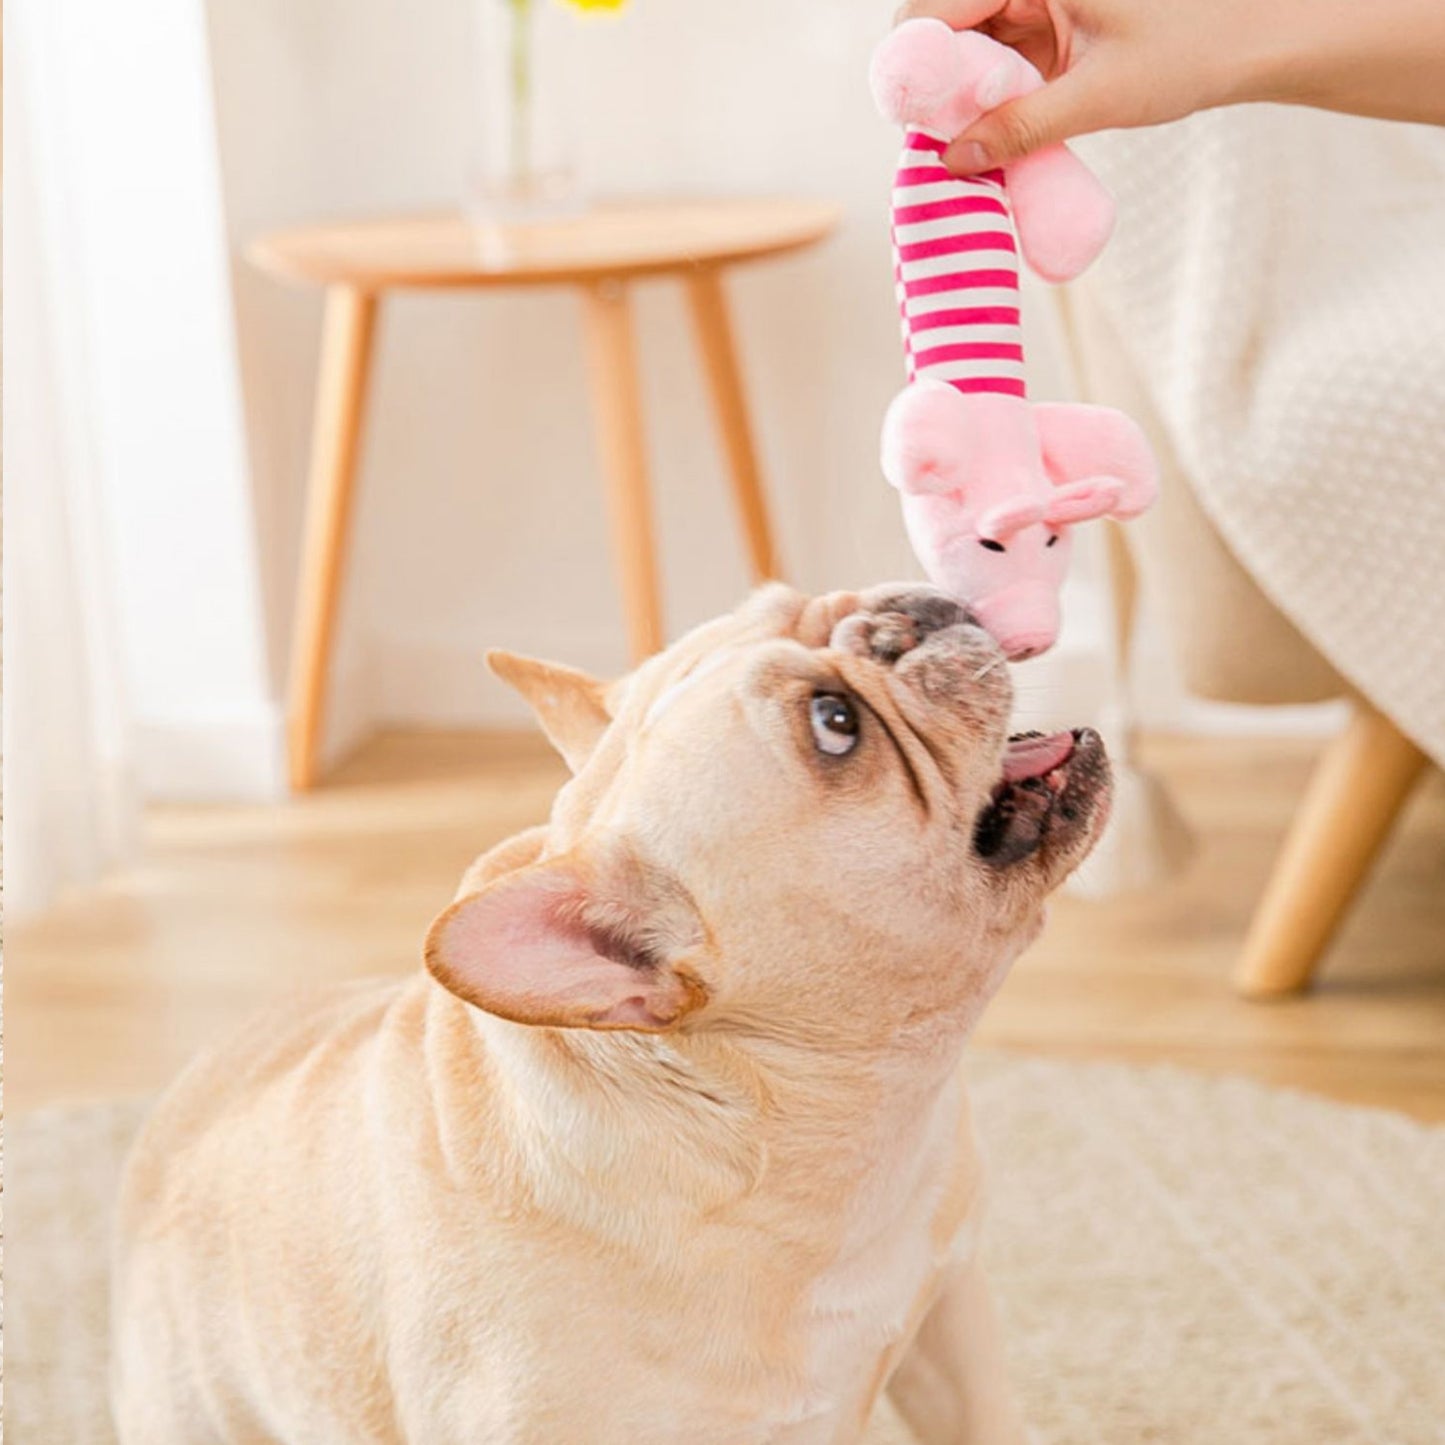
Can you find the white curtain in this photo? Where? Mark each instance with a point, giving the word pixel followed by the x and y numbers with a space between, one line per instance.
pixel 68 798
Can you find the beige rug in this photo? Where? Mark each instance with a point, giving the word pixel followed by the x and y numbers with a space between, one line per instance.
pixel 1179 1260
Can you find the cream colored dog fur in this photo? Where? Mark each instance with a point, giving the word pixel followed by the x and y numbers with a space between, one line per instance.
pixel 669 1143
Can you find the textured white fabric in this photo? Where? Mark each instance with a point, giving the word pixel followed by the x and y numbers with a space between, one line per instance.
pixel 1278 279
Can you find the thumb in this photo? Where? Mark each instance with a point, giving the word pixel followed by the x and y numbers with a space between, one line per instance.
pixel 1071 105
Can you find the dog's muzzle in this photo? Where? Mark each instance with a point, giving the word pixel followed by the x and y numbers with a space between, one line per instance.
pixel 1050 792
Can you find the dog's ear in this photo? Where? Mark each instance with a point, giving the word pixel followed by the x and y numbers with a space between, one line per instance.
pixel 570 705
pixel 593 939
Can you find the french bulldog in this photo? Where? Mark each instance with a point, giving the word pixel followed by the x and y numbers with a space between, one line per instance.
pixel 668 1142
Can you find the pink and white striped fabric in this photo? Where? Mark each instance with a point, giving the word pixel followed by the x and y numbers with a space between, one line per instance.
pixel 955 263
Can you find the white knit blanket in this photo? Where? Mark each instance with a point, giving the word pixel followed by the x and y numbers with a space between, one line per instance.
pixel 1278 277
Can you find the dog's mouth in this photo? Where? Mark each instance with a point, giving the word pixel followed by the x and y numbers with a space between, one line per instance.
pixel 1050 793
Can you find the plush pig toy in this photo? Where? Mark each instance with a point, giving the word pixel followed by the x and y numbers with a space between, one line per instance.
pixel 991 484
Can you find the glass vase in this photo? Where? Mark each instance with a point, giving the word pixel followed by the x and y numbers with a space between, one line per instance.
pixel 523 162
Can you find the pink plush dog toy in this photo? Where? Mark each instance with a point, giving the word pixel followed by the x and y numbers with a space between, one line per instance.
pixel 991 485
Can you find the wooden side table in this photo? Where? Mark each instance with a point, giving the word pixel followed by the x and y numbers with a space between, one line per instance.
pixel 600 253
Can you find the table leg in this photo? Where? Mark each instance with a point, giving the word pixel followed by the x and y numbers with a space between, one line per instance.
pixel 617 403
pixel 720 360
pixel 346 344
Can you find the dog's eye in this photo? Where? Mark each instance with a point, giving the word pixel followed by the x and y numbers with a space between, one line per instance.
pixel 835 723
pixel 991 544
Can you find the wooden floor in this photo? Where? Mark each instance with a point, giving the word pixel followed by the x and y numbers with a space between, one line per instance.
pixel 231 906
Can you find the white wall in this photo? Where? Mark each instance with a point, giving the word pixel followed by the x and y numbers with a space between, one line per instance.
pixel 481 520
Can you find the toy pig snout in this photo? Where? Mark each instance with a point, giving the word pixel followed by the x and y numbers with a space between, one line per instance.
pixel 1023 618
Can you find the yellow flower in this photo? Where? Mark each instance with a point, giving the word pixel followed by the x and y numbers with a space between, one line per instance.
pixel 597 4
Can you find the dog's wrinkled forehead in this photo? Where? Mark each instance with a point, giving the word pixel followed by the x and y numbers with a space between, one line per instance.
pixel 893 619
pixel 643 696
pixel 884 626
pixel 827 621
pixel 890 619
pixel 772 612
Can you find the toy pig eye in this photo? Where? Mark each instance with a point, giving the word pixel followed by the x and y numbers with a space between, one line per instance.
pixel 1054 537
pixel 991 544
pixel 835 723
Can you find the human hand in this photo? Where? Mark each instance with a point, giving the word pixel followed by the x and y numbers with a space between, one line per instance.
pixel 1108 63
pixel 1142 62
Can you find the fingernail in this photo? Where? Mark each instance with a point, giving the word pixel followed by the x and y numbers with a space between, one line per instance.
pixel 968 157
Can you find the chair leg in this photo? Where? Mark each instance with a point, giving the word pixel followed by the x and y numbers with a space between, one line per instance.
pixel 346 345
pixel 720 361
pixel 617 403
pixel 1352 801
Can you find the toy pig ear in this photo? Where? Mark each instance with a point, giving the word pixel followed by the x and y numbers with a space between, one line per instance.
pixel 1001 522
pixel 573 942
pixel 1084 500
pixel 1096 443
pixel 926 442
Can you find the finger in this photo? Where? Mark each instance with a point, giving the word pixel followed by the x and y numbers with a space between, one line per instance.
pixel 958 14
pixel 1074 104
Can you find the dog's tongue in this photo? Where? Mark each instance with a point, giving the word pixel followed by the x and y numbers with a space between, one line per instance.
pixel 1033 756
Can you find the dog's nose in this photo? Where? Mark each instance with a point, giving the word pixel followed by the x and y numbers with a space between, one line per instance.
pixel 890 623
